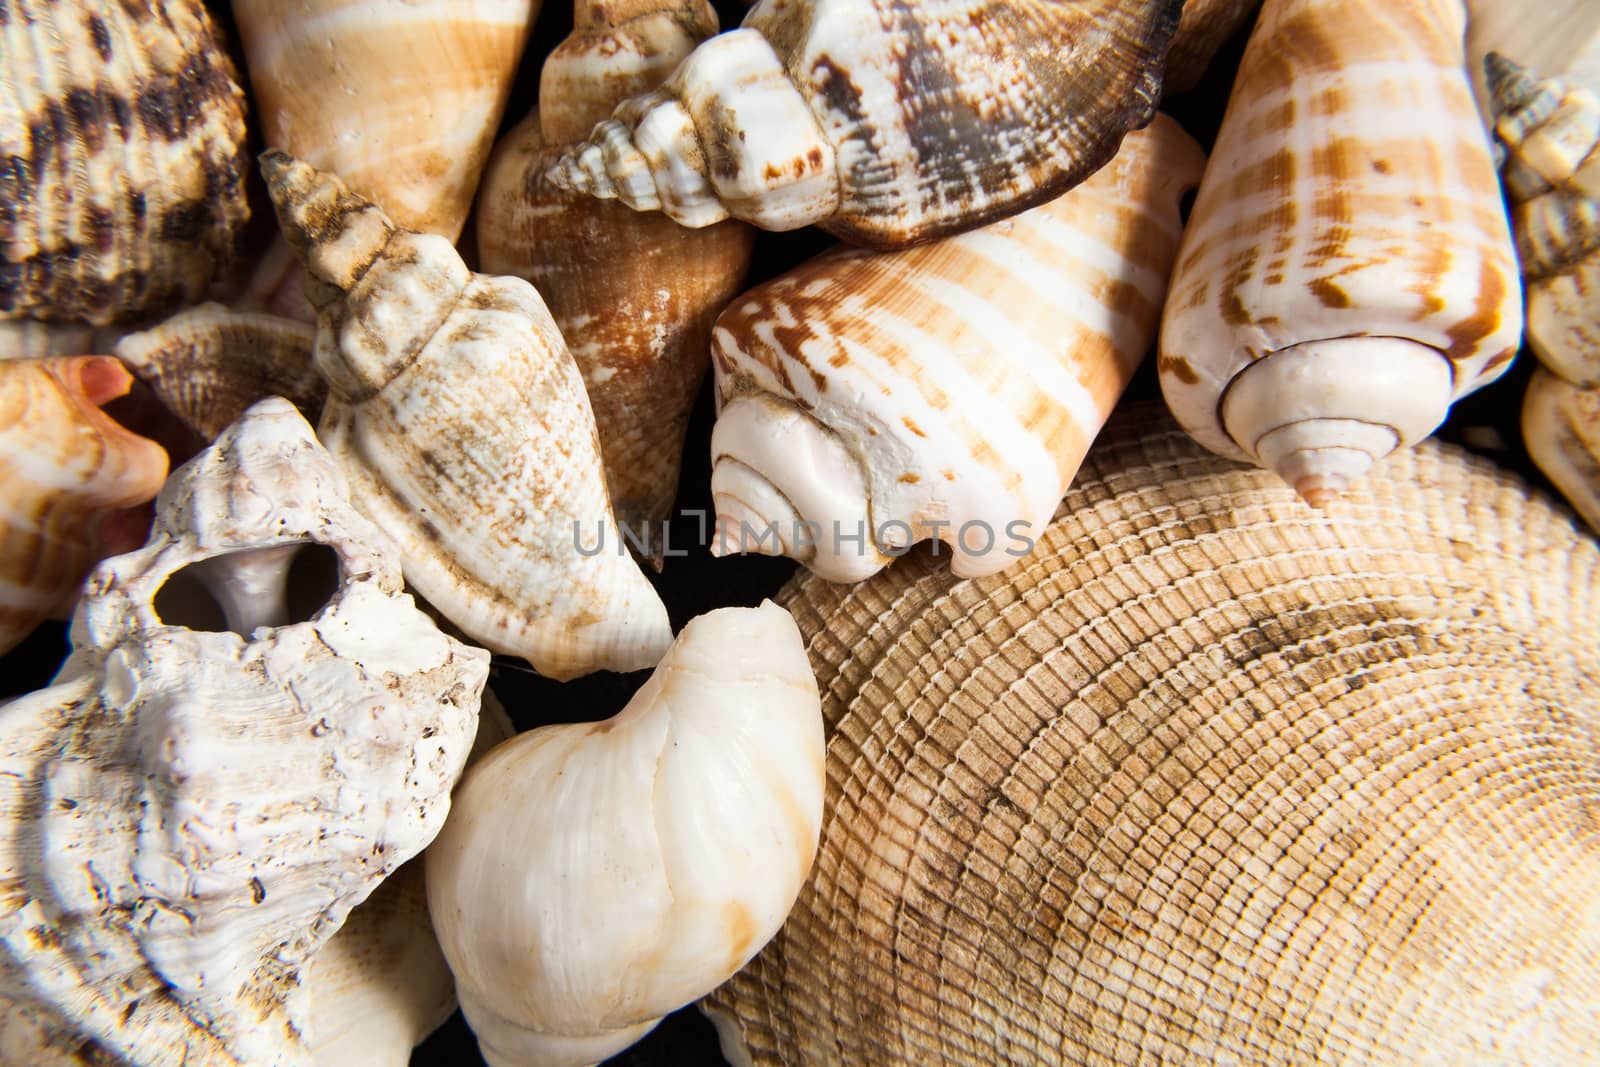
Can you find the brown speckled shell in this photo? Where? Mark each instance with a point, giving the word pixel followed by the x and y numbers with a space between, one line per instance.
pixel 1208 780
pixel 122 126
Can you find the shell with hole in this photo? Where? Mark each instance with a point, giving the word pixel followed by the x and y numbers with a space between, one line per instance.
pixel 1348 270
pixel 1208 780
pixel 595 876
pixel 871 400
pixel 1561 426
pixel 1550 130
pixel 633 293
pixel 64 466
pixel 883 122
pixel 401 98
pixel 124 135
pixel 462 423
pixel 187 815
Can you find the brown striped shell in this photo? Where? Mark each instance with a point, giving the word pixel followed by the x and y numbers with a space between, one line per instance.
pixel 1205 26
pixel 1207 780
pixel 123 127
pixel 885 122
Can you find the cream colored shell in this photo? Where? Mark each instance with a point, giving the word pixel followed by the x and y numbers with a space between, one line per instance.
pixel 1347 272
pixel 1207 780
pixel 594 877
pixel 1561 427
pixel 1554 36
pixel 186 816
pixel 869 401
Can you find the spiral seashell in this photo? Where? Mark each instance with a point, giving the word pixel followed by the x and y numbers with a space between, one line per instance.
pixel 187 816
pixel 1207 780
pixel 1347 272
pixel 32 339
pixel 209 363
pixel 1561 426
pixel 64 466
pixel 633 294
pixel 883 122
pixel 123 189
pixel 1551 135
pixel 1205 26
pixel 1556 37
pixel 868 401
pixel 401 98
pixel 461 421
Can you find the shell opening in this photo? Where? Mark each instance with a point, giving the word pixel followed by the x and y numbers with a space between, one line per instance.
pixel 1321 413
pixel 241 591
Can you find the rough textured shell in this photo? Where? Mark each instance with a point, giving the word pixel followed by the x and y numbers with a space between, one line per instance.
pixel 461 421
pixel 401 99
pixel 1561 426
pixel 188 815
pixel 885 123
pixel 882 395
pixel 64 464
pixel 123 125
pixel 1208 780
pixel 1347 271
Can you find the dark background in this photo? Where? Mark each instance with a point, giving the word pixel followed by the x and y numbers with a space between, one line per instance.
pixel 695 583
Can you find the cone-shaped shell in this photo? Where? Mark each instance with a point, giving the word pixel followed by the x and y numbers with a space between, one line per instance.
pixel 1550 131
pixel 633 294
pixel 1207 780
pixel 948 390
pixel 401 98
pixel 1561 426
pixel 64 465
pixel 596 876
pixel 187 815
pixel 884 122
pixel 123 132
pixel 461 421
pixel 1347 271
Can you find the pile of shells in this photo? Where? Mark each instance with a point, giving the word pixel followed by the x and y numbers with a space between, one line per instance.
pixel 360 362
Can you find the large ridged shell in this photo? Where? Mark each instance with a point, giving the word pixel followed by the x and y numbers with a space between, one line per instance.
pixel 187 815
pixel 1348 271
pixel 1208 780
pixel 634 294
pixel 123 126
pixel 1561 426
pixel 885 122
pixel 462 423
pixel 948 390
pixel 400 98
pixel 64 464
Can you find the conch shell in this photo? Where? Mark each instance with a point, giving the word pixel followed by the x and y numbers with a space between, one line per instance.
pixel 1551 134
pixel 401 98
pixel 64 465
pixel 595 876
pixel 1209 780
pixel 123 136
pixel 187 816
pixel 1561 426
pixel 633 294
pixel 884 122
pixel 1347 272
pixel 868 401
pixel 462 424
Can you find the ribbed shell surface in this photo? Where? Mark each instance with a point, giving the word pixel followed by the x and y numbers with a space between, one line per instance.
pixel 1208 781
pixel 122 127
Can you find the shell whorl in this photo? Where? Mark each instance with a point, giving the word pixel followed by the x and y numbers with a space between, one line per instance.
pixel 885 124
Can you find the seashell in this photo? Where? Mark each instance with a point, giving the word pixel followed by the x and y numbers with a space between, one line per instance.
pixel 461 421
pixel 1558 37
pixel 1561 427
pixel 401 98
pixel 868 401
pixel 32 339
pixel 634 295
pixel 124 189
pixel 209 363
pixel 1205 27
pixel 186 815
pixel 884 123
pixel 1347 272
pixel 1550 132
pixel 568 941
pixel 1206 781
pixel 64 467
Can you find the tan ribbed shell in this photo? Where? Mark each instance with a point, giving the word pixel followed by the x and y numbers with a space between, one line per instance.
pixel 1209 779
